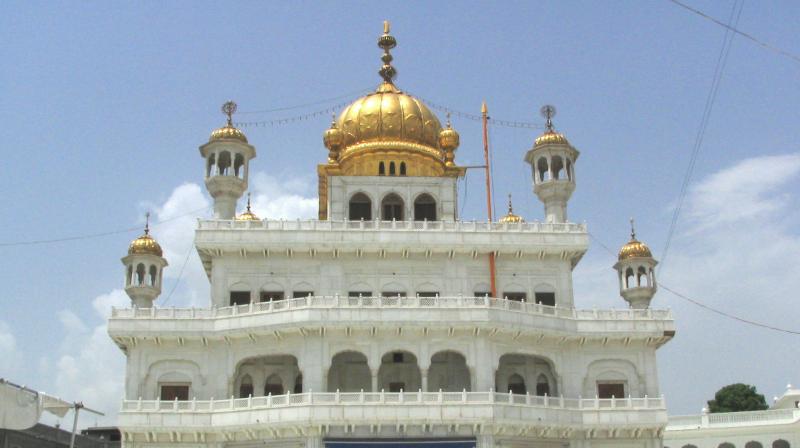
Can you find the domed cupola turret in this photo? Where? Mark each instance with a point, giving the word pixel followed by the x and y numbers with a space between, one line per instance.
pixel 144 266
pixel 227 156
pixel 248 214
pixel 636 270
pixel 510 217
pixel 390 128
pixel 553 161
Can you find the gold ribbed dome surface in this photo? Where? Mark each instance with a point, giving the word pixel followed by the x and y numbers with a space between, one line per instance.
pixel 390 119
pixel 634 249
pixel 551 137
pixel 145 245
pixel 227 132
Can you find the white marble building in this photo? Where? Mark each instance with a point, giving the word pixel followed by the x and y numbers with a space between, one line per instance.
pixel 389 320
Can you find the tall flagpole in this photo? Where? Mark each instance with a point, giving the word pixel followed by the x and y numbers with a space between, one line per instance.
pixel 485 116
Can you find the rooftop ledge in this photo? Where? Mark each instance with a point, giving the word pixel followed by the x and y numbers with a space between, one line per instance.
pixel 733 419
pixel 472 314
pixel 452 226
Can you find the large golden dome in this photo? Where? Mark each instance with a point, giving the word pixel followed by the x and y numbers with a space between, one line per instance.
pixel 390 128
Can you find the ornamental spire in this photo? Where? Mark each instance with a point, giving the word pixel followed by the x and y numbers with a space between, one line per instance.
pixel 633 230
pixel 510 208
pixel 248 202
pixel 147 223
pixel 386 42
pixel 548 112
pixel 229 108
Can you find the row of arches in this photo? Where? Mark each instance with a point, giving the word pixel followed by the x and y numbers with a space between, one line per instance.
pixel 395 169
pixel 225 163
pixel 143 276
pixel 350 371
pixel 392 208
pixel 549 168
pixel 641 277
pixel 780 443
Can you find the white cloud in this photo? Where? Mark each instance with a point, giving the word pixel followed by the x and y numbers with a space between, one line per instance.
pixel 9 353
pixel 275 198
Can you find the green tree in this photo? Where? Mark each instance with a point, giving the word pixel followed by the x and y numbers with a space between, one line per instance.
pixel 737 398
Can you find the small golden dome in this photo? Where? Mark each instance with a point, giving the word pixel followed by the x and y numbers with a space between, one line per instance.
pixel 510 216
pixel 228 131
pixel 634 248
pixel 449 138
pixel 333 137
pixel 248 214
pixel 550 137
pixel 145 244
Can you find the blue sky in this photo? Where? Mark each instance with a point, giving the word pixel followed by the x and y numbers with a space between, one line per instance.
pixel 105 103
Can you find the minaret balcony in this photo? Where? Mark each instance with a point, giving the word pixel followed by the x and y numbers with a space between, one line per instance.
pixel 371 413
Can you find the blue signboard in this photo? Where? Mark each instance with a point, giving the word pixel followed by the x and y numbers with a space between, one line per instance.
pixel 395 443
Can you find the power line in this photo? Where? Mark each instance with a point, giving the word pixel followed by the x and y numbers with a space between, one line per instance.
pixel 701 304
pixel 747 36
pixel 722 60
pixel 180 274
pixel 300 106
pixel 94 235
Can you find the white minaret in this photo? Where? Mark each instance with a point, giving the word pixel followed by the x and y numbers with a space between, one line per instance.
pixel 144 266
pixel 553 161
pixel 227 155
pixel 636 272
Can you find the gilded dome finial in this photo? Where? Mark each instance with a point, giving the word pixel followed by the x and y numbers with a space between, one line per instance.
pixel 510 216
pixel 548 111
pixel 386 42
pixel 633 230
pixel 229 108
pixel 248 202
pixel 147 223
pixel 510 207
pixel 248 215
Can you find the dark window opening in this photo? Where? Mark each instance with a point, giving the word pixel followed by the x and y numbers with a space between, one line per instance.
pixel 240 297
pixel 430 294
pixel 609 390
pixel 271 296
pixel 546 298
pixel 392 207
pixel 425 208
pixel 171 392
pixel 393 294
pixel 301 294
pixel 516 385
pixel 298 385
pixel 397 357
pixel 542 389
pixel 359 294
pixel 402 168
pixel 482 294
pixel 273 387
pixel 360 208
pixel 245 390
pixel 515 296
pixel 391 169
pixel 397 387
pixel 381 169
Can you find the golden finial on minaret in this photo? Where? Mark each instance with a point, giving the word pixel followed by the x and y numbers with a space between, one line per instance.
pixel 510 207
pixel 548 112
pixel 510 216
pixel 248 215
pixel 633 230
pixel 386 42
pixel 229 108
pixel 147 223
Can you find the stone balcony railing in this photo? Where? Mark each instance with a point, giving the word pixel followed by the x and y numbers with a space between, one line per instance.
pixel 451 226
pixel 733 419
pixel 379 407
pixel 430 312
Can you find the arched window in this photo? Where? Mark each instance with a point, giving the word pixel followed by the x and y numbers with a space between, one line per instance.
pixel 152 277
pixel 360 207
pixel 544 172
pixel 780 443
pixel 392 171
pixel 392 207
pixel 642 279
pixel 246 387
pixel 557 168
pixel 689 446
pixel 274 385
pixel 224 163
pixel 629 278
pixel 542 385
pixel 424 208
pixel 238 166
pixel 140 273
pixel 381 169
pixel 753 444
pixel 402 168
pixel 516 385
pixel 298 384
pixel 726 445
pixel 210 165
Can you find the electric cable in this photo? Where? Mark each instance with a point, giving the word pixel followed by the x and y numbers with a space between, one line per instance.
pixel 180 275
pixel 722 60
pixel 701 304
pixel 747 36
pixel 315 103
pixel 96 235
